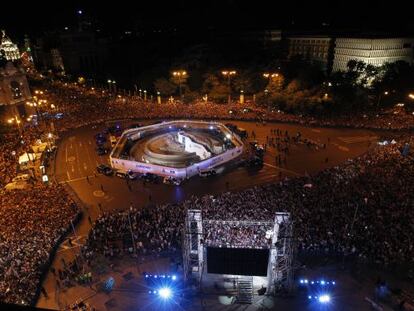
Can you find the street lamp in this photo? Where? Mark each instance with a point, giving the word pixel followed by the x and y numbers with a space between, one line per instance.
pixel 180 75
pixel 15 120
pixel 36 104
pixel 380 97
pixel 270 75
pixel 411 96
pixel 113 83
pixel 158 97
pixel 229 74
pixel 241 97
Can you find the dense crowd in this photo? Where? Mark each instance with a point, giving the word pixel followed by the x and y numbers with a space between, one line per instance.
pixel 362 207
pixel 83 106
pixel 31 221
pixel 11 146
pixel 237 234
pixel 31 224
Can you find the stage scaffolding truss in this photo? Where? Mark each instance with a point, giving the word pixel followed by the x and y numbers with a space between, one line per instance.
pixel 280 252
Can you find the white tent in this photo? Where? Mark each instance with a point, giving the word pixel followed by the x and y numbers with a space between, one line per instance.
pixel 26 157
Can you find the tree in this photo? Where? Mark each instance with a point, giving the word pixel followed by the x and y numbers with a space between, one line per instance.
pixel 215 89
pixel 242 82
pixel 165 87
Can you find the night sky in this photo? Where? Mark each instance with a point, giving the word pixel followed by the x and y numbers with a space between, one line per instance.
pixel 34 17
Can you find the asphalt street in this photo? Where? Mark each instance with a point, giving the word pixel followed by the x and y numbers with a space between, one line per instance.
pixel 76 162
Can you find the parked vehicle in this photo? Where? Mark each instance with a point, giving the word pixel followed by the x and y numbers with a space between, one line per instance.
pixel 16 185
pixel 22 177
pixel 104 169
pixel 207 173
pixel 121 174
pixel 132 175
pixel 149 177
pixel 101 150
pixel 169 180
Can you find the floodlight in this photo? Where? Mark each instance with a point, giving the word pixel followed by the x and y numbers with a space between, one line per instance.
pixel 165 293
pixel 324 298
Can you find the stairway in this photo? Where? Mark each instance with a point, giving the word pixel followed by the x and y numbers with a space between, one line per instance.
pixel 245 290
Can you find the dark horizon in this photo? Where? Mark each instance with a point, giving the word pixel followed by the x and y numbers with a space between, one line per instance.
pixel 192 17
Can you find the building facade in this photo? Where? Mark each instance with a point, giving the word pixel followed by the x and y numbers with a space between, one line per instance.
pixel 83 52
pixel 8 48
pixel 14 90
pixel 316 49
pixel 374 51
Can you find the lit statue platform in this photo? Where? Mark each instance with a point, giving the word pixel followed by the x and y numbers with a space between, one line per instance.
pixel 176 148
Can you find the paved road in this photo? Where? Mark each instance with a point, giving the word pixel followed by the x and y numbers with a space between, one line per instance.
pixel 76 162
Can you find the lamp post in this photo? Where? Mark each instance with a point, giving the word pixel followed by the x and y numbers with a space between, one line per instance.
pixel 380 97
pixel 228 74
pixel 158 97
pixel 15 120
pixel 145 95
pixel 36 104
pixel 180 75
pixel 269 76
pixel 114 84
pixel 241 96
pixel 111 85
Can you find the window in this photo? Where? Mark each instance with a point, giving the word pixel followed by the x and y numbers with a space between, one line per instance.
pixel 15 90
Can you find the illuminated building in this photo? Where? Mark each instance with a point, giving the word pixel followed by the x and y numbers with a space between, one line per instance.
pixel 374 51
pixel 8 48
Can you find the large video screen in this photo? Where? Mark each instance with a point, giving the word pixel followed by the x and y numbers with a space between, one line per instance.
pixel 239 261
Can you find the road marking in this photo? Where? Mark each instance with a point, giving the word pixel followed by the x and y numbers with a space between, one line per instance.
pixel 66 153
pixel 357 139
pixel 98 193
pixel 76 242
pixel 316 131
pixel 85 167
pixel 282 169
pixel 68 175
pixel 76 179
pixel 80 144
pixel 342 148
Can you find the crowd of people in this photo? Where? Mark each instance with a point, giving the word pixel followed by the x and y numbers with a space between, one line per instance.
pixel 361 208
pixel 31 223
pixel 237 234
pixel 83 106
pixel 12 145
